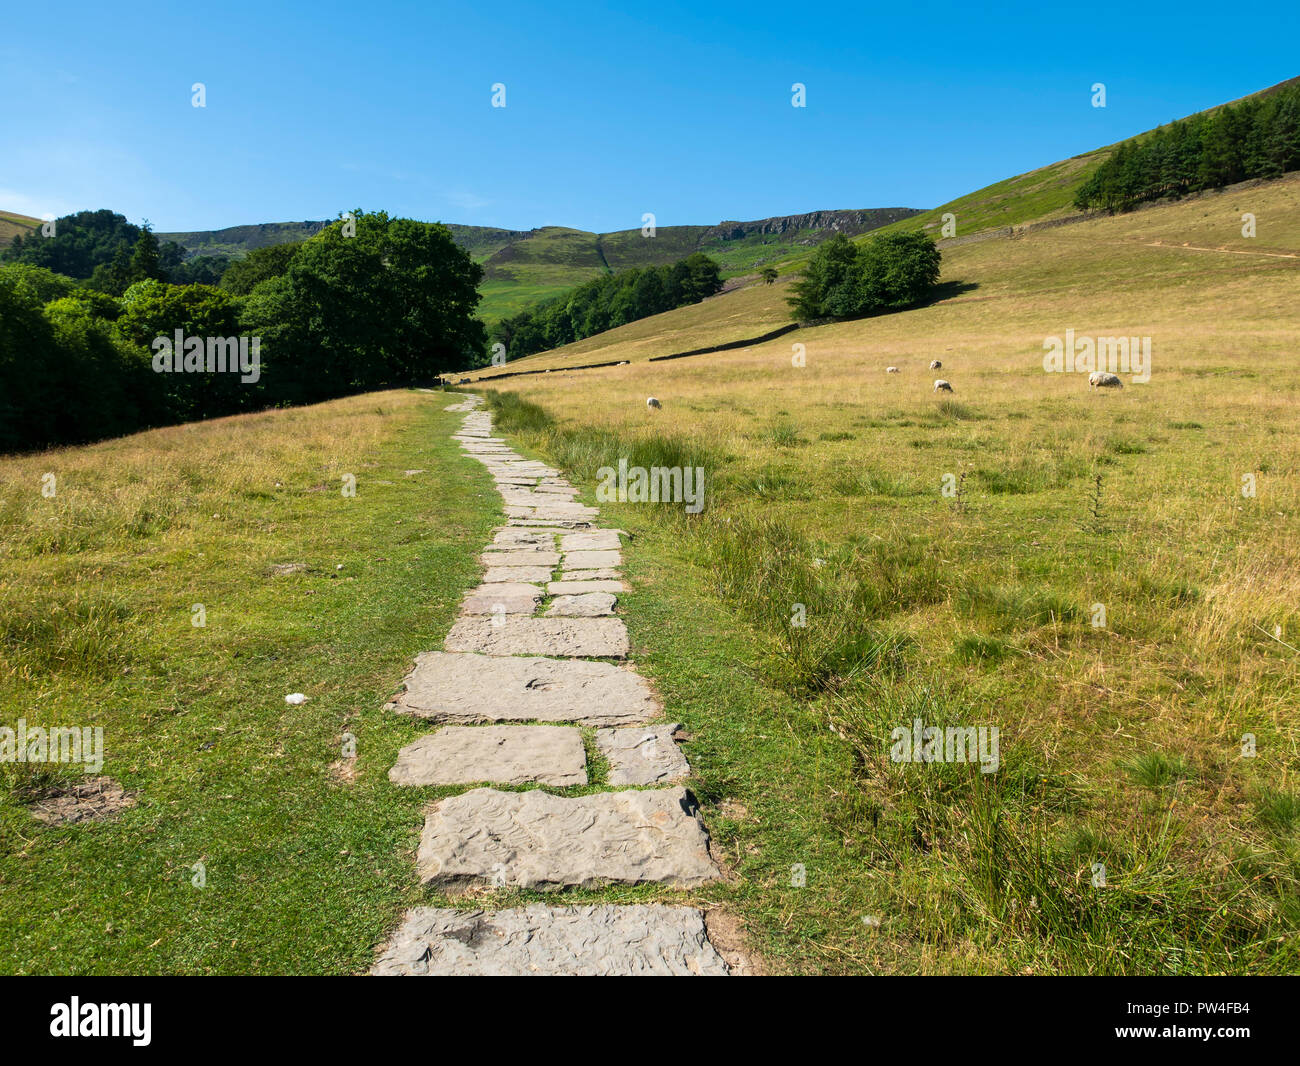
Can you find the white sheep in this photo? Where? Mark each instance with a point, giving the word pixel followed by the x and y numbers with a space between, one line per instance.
pixel 942 386
pixel 1100 379
pixel 891 370
pixel 652 402
pixel 935 364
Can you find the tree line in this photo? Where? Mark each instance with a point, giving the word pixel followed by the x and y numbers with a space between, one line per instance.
pixel 607 302
pixel 369 302
pixel 1256 138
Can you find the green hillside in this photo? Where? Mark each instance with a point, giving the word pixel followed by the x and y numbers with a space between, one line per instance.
pixel 236 241
pixel 524 267
pixel 546 261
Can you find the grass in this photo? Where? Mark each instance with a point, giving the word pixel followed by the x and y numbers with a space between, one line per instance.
pixel 307 854
pixel 1101 591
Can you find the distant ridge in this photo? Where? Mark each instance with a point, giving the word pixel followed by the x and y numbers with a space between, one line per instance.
pixel 523 267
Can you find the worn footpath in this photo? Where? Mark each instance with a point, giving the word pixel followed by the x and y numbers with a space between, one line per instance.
pixel 538 652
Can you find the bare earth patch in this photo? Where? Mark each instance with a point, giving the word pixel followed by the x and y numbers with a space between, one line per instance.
pixel 91 800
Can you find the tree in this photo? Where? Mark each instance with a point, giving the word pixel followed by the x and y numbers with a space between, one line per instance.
pixel 38 283
pixel 145 258
pixel 243 275
pixel 845 280
pixel 81 242
pixel 391 305
pixel 153 309
pixel 769 275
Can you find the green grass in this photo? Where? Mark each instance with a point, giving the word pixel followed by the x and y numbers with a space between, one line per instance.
pixel 307 867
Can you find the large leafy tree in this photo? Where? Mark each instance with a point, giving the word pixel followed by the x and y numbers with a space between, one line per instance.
pixel 153 309
pixel 846 280
pixel 391 304
pixel 64 376
pixel 81 242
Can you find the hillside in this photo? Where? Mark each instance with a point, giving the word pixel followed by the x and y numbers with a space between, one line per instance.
pixel 522 267
pixel 240 240
pixel 1109 578
pixel 547 261
pixel 13 225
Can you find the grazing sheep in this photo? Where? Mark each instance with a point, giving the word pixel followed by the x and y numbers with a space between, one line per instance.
pixel 652 402
pixel 1100 379
pixel 891 370
pixel 935 364
pixel 942 386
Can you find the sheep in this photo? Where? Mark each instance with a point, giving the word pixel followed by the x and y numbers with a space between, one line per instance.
pixel 891 370
pixel 935 364
pixel 652 402
pixel 942 386
pixel 1100 379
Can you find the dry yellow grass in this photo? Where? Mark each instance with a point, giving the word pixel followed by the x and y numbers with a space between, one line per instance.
pixel 1200 583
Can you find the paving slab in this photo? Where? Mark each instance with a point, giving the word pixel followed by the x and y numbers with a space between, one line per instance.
pixel 643 755
pixel 607 573
pixel 593 541
pixel 531 556
pixel 523 538
pixel 502 754
pixel 508 597
pixel 595 638
pixel 538 841
pixel 579 588
pixel 586 605
pixel 601 940
pixel 464 688
pixel 517 574
pixel 584 560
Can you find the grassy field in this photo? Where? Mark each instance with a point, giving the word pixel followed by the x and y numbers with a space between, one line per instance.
pixel 307 854
pixel 1099 589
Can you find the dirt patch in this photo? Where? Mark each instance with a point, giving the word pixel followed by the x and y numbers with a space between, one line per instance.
pixel 344 770
pixel 727 935
pixel 91 800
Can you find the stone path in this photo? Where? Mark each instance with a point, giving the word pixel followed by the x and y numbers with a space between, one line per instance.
pixel 537 654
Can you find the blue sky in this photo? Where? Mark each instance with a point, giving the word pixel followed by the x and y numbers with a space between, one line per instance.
pixel 611 111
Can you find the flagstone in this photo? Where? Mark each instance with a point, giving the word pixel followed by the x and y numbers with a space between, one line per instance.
pixel 524 574
pixel 535 840
pixel 501 754
pixel 607 573
pixel 643 755
pixel 587 637
pixel 522 556
pixel 578 588
pixel 464 688
pixel 508 597
pixel 584 560
pixel 586 605
pixel 595 540
pixel 597 940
